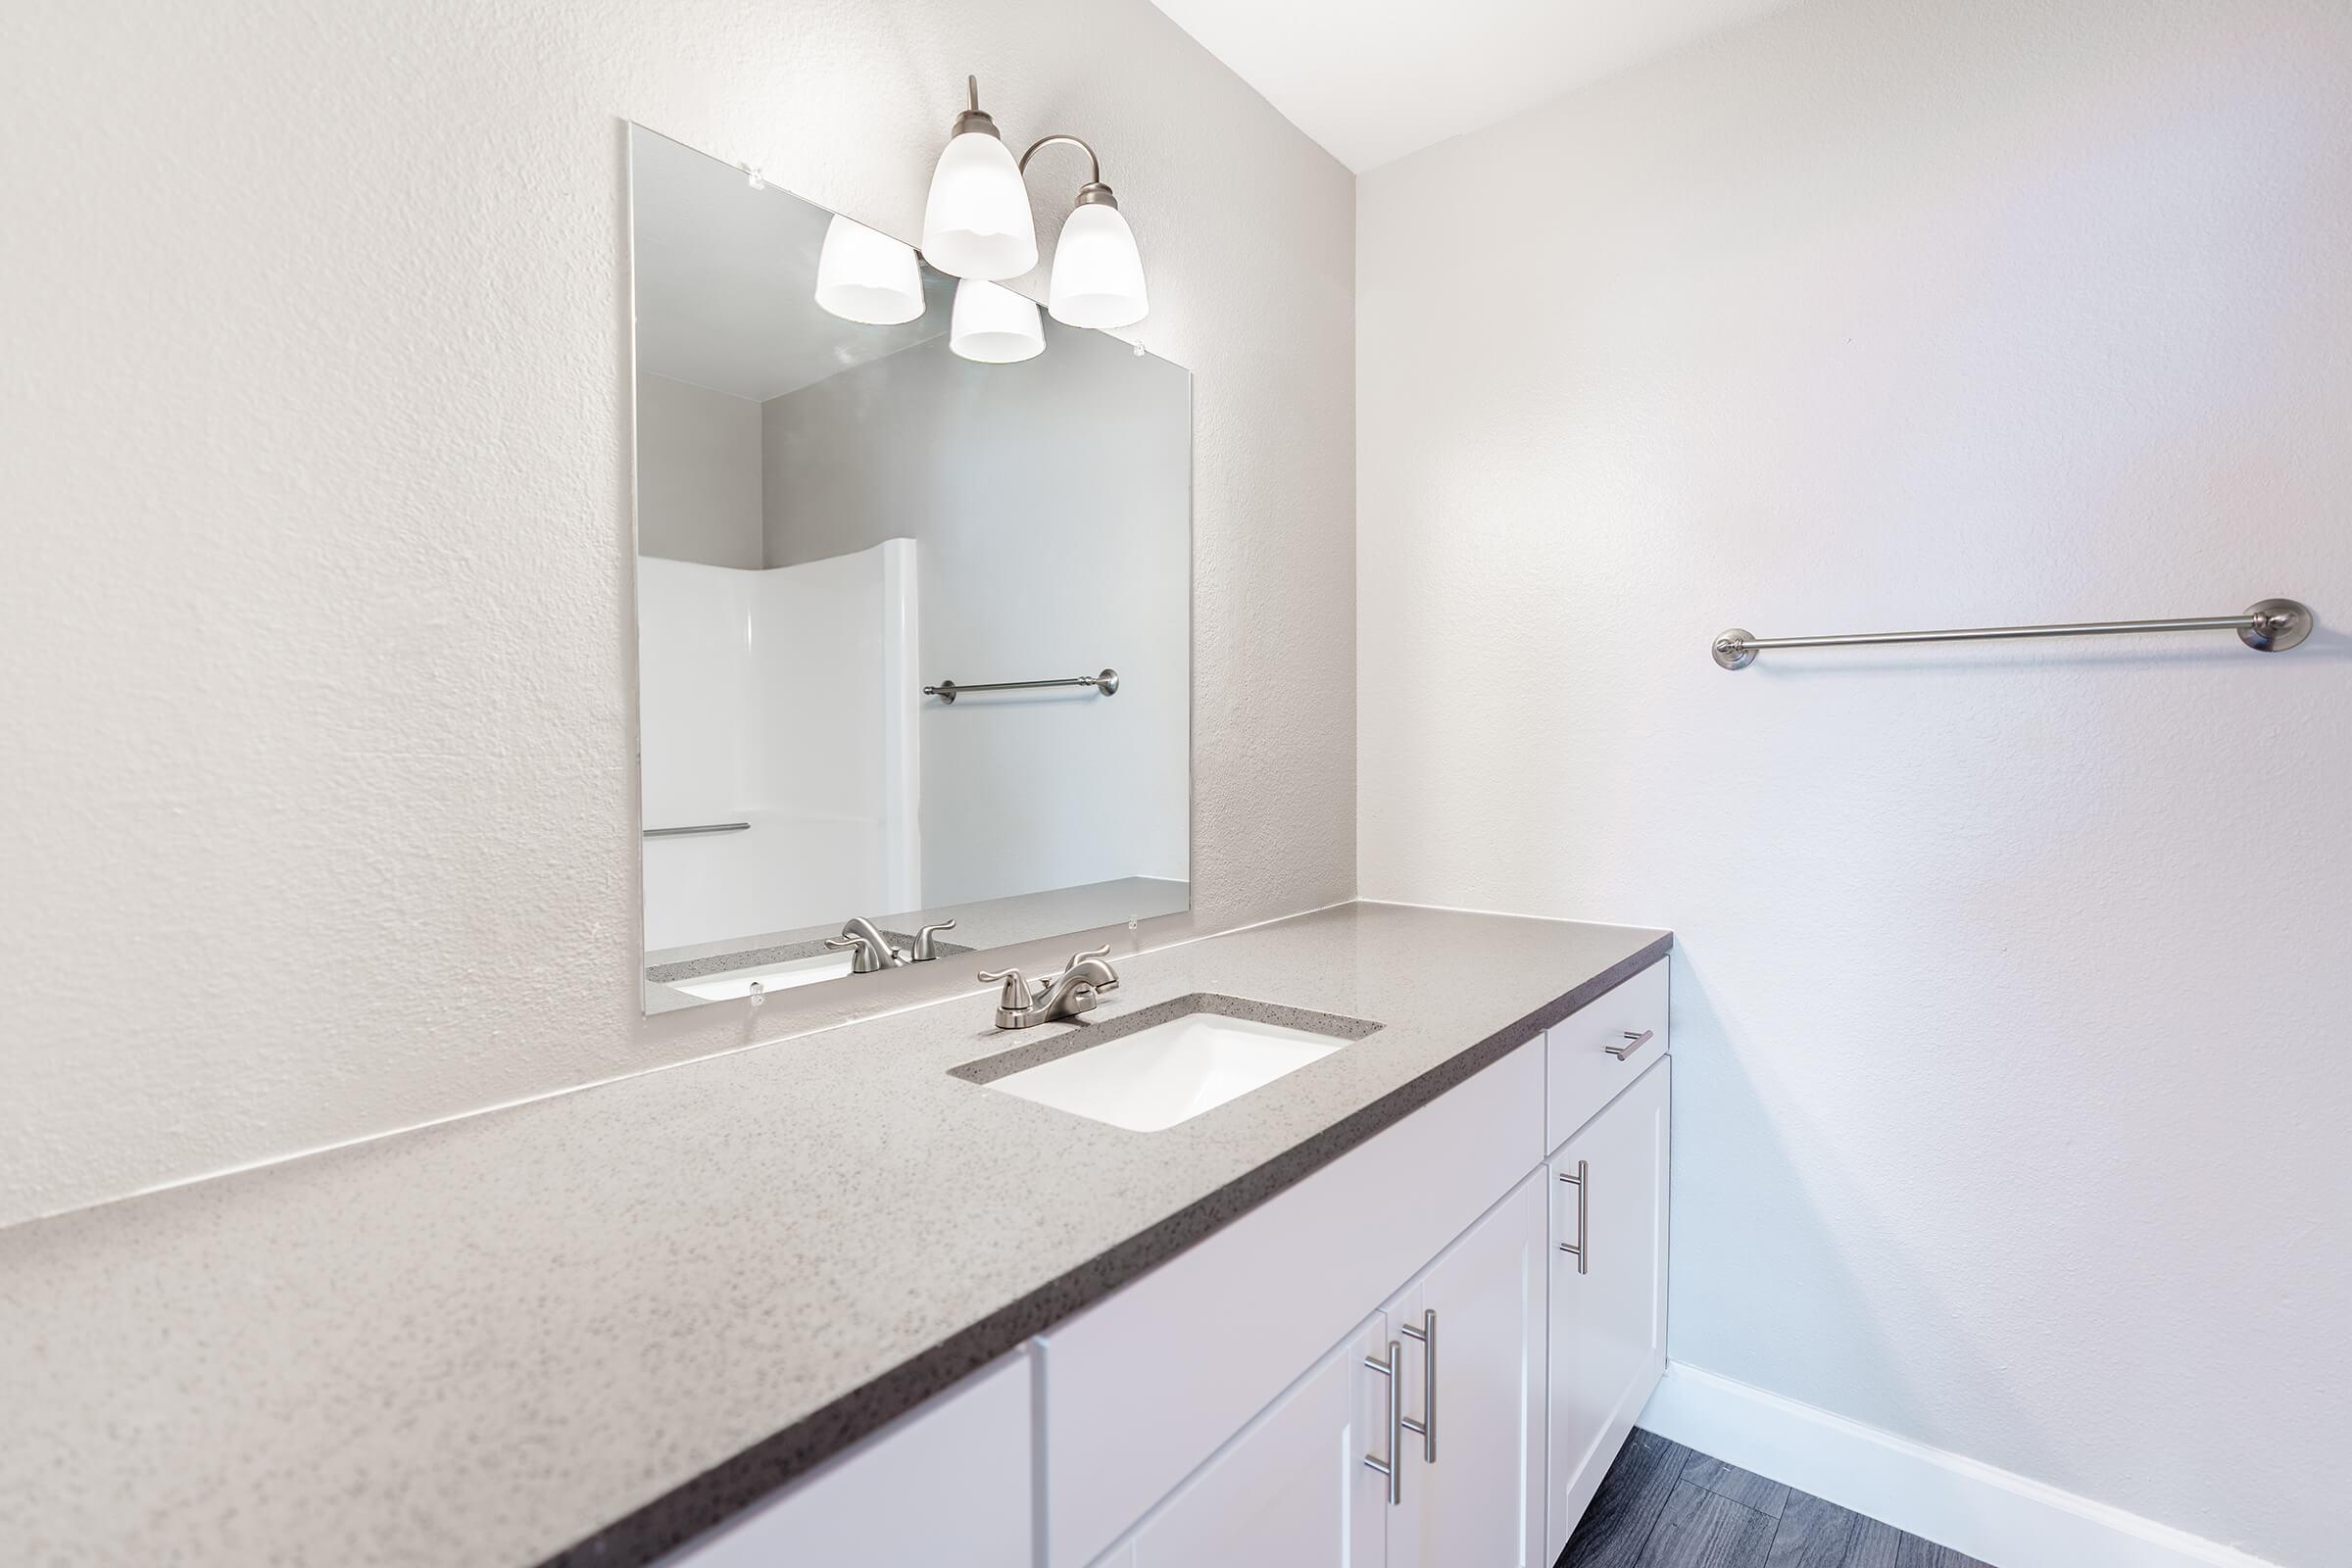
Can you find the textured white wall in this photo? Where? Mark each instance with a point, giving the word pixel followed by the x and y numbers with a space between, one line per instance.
pixel 2013 982
pixel 316 818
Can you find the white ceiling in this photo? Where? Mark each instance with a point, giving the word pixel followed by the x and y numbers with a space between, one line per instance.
pixel 725 277
pixel 1375 79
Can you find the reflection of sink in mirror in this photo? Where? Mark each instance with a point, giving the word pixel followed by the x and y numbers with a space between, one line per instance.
pixel 770 976
pixel 1170 1063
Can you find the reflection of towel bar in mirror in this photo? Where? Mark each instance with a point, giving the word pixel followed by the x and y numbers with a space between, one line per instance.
pixel 706 827
pixel 947 691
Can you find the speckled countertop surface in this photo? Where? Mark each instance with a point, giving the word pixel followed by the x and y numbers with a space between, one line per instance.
pixel 588 1327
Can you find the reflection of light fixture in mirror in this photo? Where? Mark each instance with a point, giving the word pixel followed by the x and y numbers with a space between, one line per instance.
pixel 869 277
pixel 976 220
pixel 993 325
pixel 1098 273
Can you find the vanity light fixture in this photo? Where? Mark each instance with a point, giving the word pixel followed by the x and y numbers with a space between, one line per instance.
pixel 869 277
pixel 993 325
pixel 976 220
pixel 977 226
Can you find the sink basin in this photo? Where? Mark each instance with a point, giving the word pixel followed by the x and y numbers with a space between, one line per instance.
pixel 770 977
pixel 1167 1063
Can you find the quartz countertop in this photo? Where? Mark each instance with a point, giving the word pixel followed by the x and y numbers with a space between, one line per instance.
pixel 587 1328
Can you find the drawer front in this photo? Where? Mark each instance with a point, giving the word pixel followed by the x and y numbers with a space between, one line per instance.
pixel 1145 1384
pixel 1582 1072
pixel 948 1484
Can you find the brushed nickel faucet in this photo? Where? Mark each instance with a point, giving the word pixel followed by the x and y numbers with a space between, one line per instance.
pixel 1084 981
pixel 873 955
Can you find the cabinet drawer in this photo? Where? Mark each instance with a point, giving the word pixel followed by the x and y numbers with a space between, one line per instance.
pixel 1142 1386
pixel 1580 1073
pixel 948 1483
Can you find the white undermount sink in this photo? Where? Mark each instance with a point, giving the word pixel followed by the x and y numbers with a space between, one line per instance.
pixel 770 977
pixel 1150 1078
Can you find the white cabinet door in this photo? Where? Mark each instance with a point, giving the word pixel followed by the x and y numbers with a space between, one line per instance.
pixel 1142 1389
pixel 1474 1380
pixel 1609 1295
pixel 950 1483
pixel 1293 1490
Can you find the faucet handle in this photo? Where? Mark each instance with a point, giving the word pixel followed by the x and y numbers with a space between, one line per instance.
pixel 866 956
pixel 926 947
pixel 1015 996
pixel 1102 956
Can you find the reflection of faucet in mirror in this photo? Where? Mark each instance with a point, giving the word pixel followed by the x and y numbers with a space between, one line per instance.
pixel 1076 990
pixel 872 954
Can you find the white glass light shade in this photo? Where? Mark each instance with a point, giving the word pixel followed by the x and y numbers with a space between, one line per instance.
pixel 976 220
pixel 993 325
pixel 870 278
pixel 1098 275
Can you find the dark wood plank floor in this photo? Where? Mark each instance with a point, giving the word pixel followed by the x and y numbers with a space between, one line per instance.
pixel 1666 1506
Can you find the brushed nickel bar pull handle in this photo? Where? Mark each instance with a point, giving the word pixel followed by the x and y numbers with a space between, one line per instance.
pixel 1583 1216
pixel 1390 1468
pixel 1633 1042
pixel 1426 1429
pixel 704 827
pixel 2267 626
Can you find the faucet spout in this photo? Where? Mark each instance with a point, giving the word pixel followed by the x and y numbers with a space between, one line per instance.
pixel 872 954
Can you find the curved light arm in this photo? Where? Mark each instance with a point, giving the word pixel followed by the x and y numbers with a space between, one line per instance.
pixel 1094 192
pixel 1094 164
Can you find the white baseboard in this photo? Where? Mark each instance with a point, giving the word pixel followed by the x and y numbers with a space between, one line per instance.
pixel 2003 1518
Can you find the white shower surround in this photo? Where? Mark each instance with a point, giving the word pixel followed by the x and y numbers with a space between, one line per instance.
pixel 783 697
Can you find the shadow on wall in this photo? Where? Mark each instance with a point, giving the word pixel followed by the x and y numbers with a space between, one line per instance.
pixel 1753 1228
pixel 1786 1204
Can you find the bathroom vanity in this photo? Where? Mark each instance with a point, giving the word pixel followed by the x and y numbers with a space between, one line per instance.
pixel 1469 1305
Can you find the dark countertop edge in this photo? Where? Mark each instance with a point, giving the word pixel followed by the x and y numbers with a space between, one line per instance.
pixel 733 1486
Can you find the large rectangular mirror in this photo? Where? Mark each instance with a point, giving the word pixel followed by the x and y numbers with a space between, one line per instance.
pixel 847 535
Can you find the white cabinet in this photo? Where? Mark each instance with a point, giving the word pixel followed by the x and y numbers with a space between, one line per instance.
pixel 1292 1491
pixel 1144 1386
pixel 950 1483
pixel 1608 1289
pixel 1472 1331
